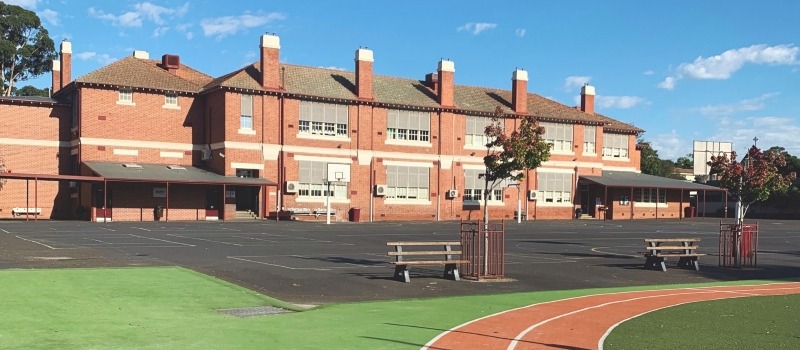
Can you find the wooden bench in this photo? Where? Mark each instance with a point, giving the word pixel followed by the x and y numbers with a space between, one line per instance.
pixel 450 258
pixel 685 249
pixel 26 211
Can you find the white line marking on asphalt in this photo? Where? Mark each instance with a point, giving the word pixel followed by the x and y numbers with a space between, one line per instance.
pixel 4 230
pixel 39 243
pixel 162 240
pixel 103 228
pixel 139 228
pixel 276 265
pixel 203 239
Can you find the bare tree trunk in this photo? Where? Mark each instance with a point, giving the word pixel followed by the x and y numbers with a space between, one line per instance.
pixel 486 225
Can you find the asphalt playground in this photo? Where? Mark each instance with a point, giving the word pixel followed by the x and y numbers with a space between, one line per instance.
pixel 314 263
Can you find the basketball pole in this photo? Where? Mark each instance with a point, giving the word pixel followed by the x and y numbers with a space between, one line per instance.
pixel 328 205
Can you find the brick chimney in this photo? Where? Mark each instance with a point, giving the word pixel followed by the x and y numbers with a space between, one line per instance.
pixel 56 74
pixel 519 91
pixel 587 99
pixel 364 60
pixel 270 61
pixel 66 63
pixel 446 88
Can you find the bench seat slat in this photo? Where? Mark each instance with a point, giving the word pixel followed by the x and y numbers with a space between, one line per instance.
pixel 661 255
pixel 431 262
pixel 423 243
pixel 656 240
pixel 438 252
pixel 674 247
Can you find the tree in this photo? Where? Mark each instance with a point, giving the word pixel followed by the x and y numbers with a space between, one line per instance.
pixel 30 90
pixel 686 162
pixel 26 50
pixel 651 164
pixel 509 156
pixel 790 200
pixel 754 178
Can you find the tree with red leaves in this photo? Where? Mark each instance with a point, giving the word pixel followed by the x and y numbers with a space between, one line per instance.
pixel 754 178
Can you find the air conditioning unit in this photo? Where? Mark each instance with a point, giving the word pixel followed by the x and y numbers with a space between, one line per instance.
pixel 532 195
pixel 452 194
pixel 381 190
pixel 205 154
pixel 292 187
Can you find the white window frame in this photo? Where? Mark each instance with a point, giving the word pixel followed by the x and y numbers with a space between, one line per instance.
pixel 171 101
pixel 650 197
pixel 408 127
pixel 475 134
pixel 615 146
pixel 125 97
pixel 407 183
pixel 554 188
pixel 559 136
pixel 474 186
pixel 323 120
pixel 590 139
pixel 246 115
pixel 312 184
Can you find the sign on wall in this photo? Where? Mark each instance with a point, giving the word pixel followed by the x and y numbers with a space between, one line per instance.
pixel 159 192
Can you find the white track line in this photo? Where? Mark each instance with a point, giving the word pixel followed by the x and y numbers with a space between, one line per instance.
pixel 39 243
pixel 162 240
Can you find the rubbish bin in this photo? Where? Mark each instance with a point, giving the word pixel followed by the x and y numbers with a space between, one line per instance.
pixel 158 213
pixel 355 214
pixel 690 212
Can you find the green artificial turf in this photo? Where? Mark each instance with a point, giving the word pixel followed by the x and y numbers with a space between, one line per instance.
pixel 771 322
pixel 175 308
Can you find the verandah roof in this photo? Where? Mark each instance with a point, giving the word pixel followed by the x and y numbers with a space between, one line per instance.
pixel 629 179
pixel 164 173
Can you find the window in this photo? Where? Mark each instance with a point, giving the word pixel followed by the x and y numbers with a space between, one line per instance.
pixel 125 96
pixel 171 99
pixel 246 120
pixel 327 119
pixel 407 182
pixel 409 126
pixel 555 187
pixel 589 139
pixel 650 195
pixel 474 186
pixel 476 131
pixel 312 184
pixel 559 136
pixel 615 145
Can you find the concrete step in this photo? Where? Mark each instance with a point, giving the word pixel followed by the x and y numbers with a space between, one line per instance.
pixel 245 215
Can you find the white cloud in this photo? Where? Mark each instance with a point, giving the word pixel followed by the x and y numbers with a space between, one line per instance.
pixel 160 31
pixel 141 12
pixel 221 27
pixel 520 32
pixel 746 105
pixel 575 81
pixel 86 55
pixel 103 58
pixel 722 66
pixel 670 145
pixel 50 16
pixel 770 130
pixel 476 28
pixel 28 4
pixel 189 36
pixel 649 72
pixel 333 67
pixel 619 102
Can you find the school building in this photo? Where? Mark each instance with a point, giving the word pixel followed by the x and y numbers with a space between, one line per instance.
pixel 154 139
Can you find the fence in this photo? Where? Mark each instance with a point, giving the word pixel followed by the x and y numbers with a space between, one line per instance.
pixel 485 250
pixel 748 245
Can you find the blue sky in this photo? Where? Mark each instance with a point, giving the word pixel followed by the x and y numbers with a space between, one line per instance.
pixel 682 70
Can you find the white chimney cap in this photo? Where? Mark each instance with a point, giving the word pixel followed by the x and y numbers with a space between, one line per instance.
pixel 447 66
pixel 66 47
pixel 587 90
pixel 520 74
pixel 142 55
pixel 57 65
pixel 364 55
pixel 271 41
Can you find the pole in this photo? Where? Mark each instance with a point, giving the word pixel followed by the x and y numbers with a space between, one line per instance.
pixel 519 205
pixel 328 205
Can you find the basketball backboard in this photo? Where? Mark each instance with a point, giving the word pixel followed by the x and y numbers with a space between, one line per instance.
pixel 338 173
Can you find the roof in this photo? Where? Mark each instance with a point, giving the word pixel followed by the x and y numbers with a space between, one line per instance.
pixel 162 173
pixel 34 100
pixel 637 180
pixel 340 84
pixel 144 73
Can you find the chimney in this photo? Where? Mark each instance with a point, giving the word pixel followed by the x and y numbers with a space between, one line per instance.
pixel 66 63
pixel 446 88
pixel 142 55
pixel 56 73
pixel 432 80
pixel 519 91
pixel 171 63
pixel 587 99
pixel 364 61
pixel 270 64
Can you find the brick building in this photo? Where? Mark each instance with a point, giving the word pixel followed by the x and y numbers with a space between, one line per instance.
pixel 139 134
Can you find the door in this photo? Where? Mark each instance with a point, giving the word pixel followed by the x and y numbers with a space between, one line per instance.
pixel 213 201
pixel 585 199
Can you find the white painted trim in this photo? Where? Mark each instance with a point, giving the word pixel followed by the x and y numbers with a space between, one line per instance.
pixel 175 107
pixel 365 157
pixel 322 159
pixel 126 152
pixel 473 166
pixel 30 142
pixel 397 201
pixel 619 168
pixel 270 41
pixel 364 55
pixel 571 164
pixel 541 204
pixel 616 159
pixel 252 166
pixel 318 150
pixel 307 136
pixel 270 151
pixel 89 141
pixel 555 170
pixel 447 66
pixel 309 199
pixel 562 153
pixel 247 131
pixel 409 143
pixel 470 147
pixel 238 145
pixel 403 163
pixel 126 103
pixel 171 154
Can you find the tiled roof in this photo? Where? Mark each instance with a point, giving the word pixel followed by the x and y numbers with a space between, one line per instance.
pixel 141 73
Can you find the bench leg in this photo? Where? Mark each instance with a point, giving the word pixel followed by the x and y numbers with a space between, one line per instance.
pixel 401 273
pixel 663 265
pixel 655 262
pixel 695 264
pixel 451 271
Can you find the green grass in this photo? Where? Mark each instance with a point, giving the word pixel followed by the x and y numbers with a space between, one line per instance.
pixel 175 308
pixel 743 323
